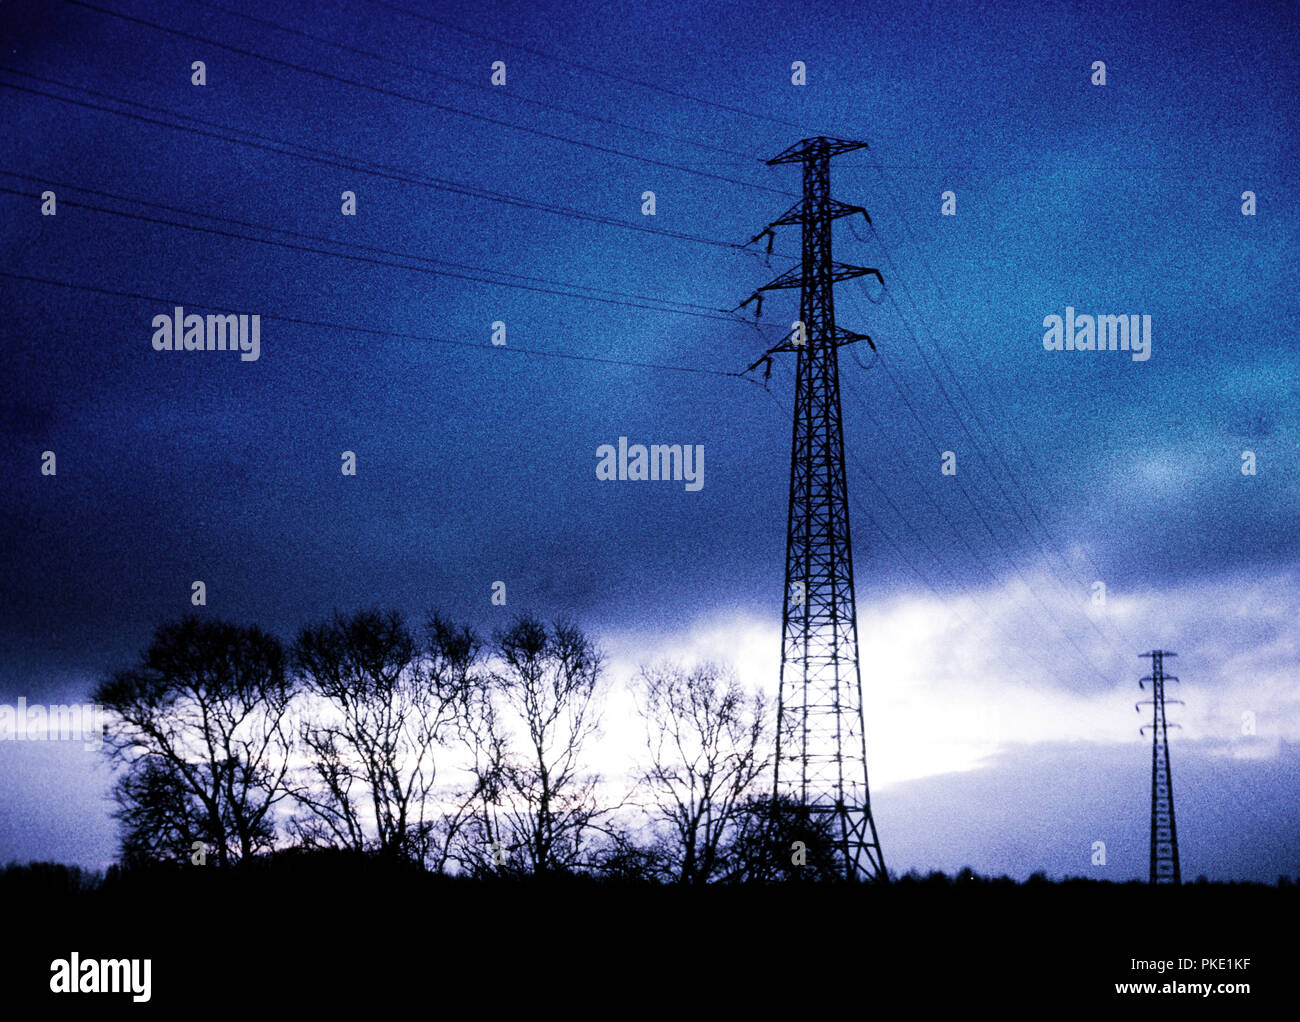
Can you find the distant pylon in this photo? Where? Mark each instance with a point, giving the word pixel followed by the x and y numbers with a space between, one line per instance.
pixel 1164 831
pixel 821 753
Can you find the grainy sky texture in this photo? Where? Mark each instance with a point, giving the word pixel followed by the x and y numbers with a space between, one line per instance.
pixel 999 698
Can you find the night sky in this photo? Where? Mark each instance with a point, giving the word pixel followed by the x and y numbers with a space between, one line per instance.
pixel 999 698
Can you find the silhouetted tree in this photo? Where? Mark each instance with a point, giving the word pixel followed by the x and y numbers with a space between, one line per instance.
pixel 199 730
pixel 163 820
pixel 541 715
pixel 617 856
pixel 45 880
pixel 463 832
pixel 379 713
pixel 763 850
pixel 705 739
pixel 477 837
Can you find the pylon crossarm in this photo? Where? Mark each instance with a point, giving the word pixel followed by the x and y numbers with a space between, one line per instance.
pixel 793 215
pixel 819 147
pixel 757 296
pixel 794 277
pixel 799 213
pixel 843 337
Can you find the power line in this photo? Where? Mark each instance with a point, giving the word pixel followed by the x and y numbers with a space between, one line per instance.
pixel 970 405
pixel 952 525
pixel 830 146
pixel 1012 162
pixel 993 576
pixel 41 179
pixel 1065 586
pixel 983 521
pixel 432 104
pixel 638 304
pixel 327 158
pixel 908 562
pixel 363 86
pixel 864 471
pixel 590 69
pixel 957 533
pixel 468 83
pixel 983 457
pixel 372 331
pixel 960 536
pixel 679 94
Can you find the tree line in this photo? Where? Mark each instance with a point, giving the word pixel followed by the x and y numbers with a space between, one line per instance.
pixel 441 748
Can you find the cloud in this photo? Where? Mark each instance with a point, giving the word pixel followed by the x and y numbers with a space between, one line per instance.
pixel 949 685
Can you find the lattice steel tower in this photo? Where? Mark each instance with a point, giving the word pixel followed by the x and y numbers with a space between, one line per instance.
pixel 1164 832
pixel 821 755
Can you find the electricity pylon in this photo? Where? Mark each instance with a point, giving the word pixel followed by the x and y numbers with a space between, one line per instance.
pixel 1164 832
pixel 821 753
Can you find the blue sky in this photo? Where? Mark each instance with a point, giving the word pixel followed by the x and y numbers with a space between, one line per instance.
pixel 988 675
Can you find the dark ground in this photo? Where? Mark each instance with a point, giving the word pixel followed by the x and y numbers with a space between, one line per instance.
pixel 330 934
